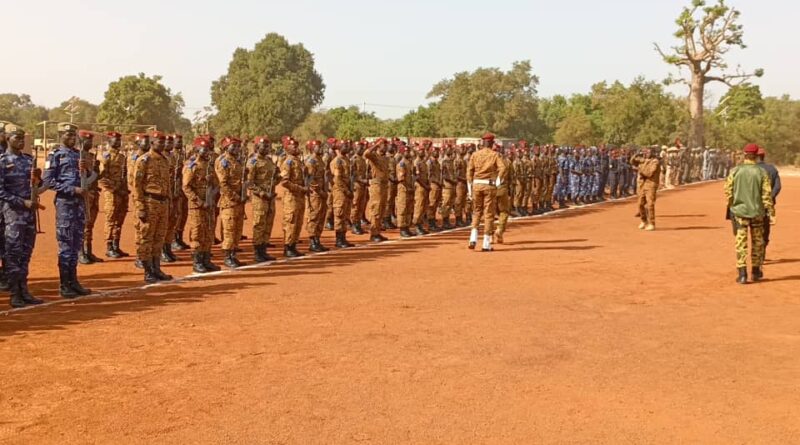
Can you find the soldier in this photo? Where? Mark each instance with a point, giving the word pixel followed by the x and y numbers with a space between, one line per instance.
pixel 503 193
pixel 448 186
pixel 317 197
pixel 525 153
pixel 649 175
pixel 262 176
pixel 230 173
pixel 391 160
pixel 378 187
pixel 89 164
pixel 483 169
pixel 330 153
pixel 749 196
pixel 198 182
pixel 518 197
pixel 294 206
pixel 775 185
pixel 172 216
pixel 538 163
pixel 112 179
pixel 63 174
pixel 613 174
pixel 422 188
pixel 603 171
pixel 152 186
pixel 18 204
pixel 342 191
pixel 435 193
pixel 3 148
pixel 181 204
pixel 405 191
pixel 142 142
pixel 551 172
pixel 460 172
pixel 360 185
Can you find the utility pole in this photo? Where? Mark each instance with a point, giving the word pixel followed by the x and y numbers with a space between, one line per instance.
pixel 72 108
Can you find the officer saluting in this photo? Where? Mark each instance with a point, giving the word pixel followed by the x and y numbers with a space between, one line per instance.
pixel 62 173
pixel 18 205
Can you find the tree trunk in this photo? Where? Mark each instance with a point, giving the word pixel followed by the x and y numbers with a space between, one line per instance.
pixel 697 127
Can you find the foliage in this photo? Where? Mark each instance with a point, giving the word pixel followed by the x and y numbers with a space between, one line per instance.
pixel 20 109
pixel 142 100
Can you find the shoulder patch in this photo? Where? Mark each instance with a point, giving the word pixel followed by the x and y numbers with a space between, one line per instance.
pixel 224 163
pixel 106 155
pixel 253 161
pixel 288 162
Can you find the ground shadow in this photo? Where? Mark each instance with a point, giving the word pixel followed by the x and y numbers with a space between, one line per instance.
pixel 683 216
pixel 789 278
pixel 669 229
pixel 565 248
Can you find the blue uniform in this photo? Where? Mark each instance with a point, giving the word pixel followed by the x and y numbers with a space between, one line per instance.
pixel 62 174
pixel 575 173
pixel 20 221
pixel 561 187
pixel 604 172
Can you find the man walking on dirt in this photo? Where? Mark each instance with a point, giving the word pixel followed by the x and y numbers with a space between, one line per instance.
pixel 749 196
pixel 775 183
pixel 483 169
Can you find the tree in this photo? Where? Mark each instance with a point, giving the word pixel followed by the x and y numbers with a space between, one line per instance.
pixel 20 109
pixel 575 128
pixel 706 33
pixel 74 109
pixel 318 125
pixel 352 123
pixel 488 99
pixel 267 90
pixel 142 100
pixel 740 102
pixel 420 122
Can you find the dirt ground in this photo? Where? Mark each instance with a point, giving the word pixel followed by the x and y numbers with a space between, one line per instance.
pixel 580 329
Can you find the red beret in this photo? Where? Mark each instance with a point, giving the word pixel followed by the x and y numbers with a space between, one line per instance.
pixel 200 141
pixel 85 134
pixel 158 135
pixel 113 134
pixel 177 136
pixel 751 149
pixel 260 139
pixel 523 143
pixel 210 137
pixel 488 137
pixel 761 151
pixel 141 136
pixel 230 140
pixel 170 137
pixel 331 141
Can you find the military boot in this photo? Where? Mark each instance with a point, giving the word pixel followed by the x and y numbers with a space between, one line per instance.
pixel 76 285
pixel 742 275
pixel 421 230
pixel 329 224
pixel 179 242
pixel 319 244
pixel 391 223
pixel 228 259
pixel 757 274
pixel 357 229
pixel 16 300
pixel 120 252
pixel 197 263
pixel 65 287
pixel 209 265
pixel 149 273
pixel 156 267
pixel 91 255
pixel 290 251
pixel 341 240
pixel 378 238
pixel 110 251
pixel 459 222
pixel 84 258
pixel 432 225
pixel 27 297
pixel 446 224
pixel 404 233
pixel 3 280
pixel 259 253
pixel 314 244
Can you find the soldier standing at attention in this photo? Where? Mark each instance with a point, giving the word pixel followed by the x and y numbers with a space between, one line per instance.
pixel 422 188
pixel 317 195
pixel 152 185
pixel 649 171
pixel 3 148
pixel 405 191
pixel 89 165
pixel 460 171
pixel 294 204
pixel 330 153
pixel 62 173
pixel 198 182
pixel 391 162
pixel 360 184
pixel 112 180
pixel 448 186
pixel 172 219
pixel 503 192
pixel 142 146
pixel 483 169
pixel 435 193
pixel 342 191
pixel 378 187
pixel 749 195
pixel 181 205
pixel 18 206
pixel 231 205
pixel 262 176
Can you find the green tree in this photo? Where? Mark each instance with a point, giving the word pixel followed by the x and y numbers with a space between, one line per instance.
pixel 740 102
pixel 142 100
pixel 318 125
pixel 575 128
pixel 20 109
pixel 270 89
pixel 706 34
pixel 488 99
pixel 74 109
pixel 352 123
pixel 420 123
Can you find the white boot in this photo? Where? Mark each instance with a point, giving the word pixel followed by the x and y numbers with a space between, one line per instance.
pixel 487 243
pixel 473 238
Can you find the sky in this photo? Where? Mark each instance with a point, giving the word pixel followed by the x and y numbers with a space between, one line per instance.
pixel 381 56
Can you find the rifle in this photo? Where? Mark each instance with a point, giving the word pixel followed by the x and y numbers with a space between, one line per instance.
pixel 36 180
pixel 86 180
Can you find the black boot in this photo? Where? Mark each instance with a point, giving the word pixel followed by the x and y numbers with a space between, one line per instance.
pixel 377 238
pixel 65 288
pixel 391 223
pixel 459 222
pixel 119 251
pixel 209 265
pixel 16 300
pixel 432 225
pixel 149 272
pixel 341 240
pixel 357 229
pixel 76 285
pixel 27 297
pixel 91 255
pixel 197 263
pixel 321 247
pixel 742 276
pixel 757 273
pixel 83 258
pixel 166 254
pixel 110 251
pixel 404 233
pixel 295 252
pixel 329 224
pixel 178 244
pixel 314 245
pixel 138 264
pixel 157 270
pixel 3 280
pixel 228 259
pixel 260 254
pixel 420 230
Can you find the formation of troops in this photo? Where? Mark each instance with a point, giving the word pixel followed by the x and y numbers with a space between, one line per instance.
pixel 178 194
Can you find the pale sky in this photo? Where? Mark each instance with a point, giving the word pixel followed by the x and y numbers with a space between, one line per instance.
pixel 387 54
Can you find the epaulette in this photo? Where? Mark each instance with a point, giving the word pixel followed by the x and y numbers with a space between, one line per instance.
pixel 106 155
pixel 288 162
pixel 224 163
pixel 253 161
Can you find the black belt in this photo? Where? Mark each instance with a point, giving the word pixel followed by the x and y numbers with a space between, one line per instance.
pixel 156 197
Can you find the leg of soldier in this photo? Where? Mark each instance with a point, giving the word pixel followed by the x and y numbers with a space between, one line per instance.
pixel 314 212
pixel 460 199
pixel 161 213
pixel 742 229
pixel 109 209
pixel 260 207
pixel 448 197
pixel 145 232
pixel 270 219
pixel 198 229
pixel 420 209
pixel 401 207
pixel 228 218
pixel 434 200
pixel 641 201
pixel 323 202
pixel 489 204
pixel 301 209
pixel 354 217
pixel 650 194
pixel 391 201
pixel 183 210
pixel 375 208
pixel 757 226
pixel 240 215
pixel 478 210
pixel 383 193
pixel 329 213
pixel 503 207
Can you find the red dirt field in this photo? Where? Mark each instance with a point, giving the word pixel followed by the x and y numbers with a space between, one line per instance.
pixel 580 329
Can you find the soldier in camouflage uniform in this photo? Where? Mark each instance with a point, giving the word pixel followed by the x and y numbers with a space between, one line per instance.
pixel 262 177
pixel 89 164
pixel 199 185
pixel 230 173
pixel 112 179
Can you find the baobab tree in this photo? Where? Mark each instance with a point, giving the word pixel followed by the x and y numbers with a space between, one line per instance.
pixel 706 33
